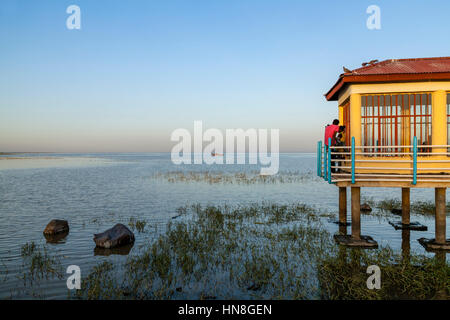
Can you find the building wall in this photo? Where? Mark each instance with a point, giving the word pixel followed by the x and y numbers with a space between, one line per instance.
pixel 439 91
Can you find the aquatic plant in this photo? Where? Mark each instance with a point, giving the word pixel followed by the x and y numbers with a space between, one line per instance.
pixel 38 264
pixel 416 207
pixel 138 225
pixel 389 204
pixel 254 177
pixel 343 275
pixel 221 251
pixel 267 251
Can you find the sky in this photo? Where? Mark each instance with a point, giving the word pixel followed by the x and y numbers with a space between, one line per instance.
pixel 138 70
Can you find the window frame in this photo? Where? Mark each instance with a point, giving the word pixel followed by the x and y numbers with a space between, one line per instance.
pixel 381 126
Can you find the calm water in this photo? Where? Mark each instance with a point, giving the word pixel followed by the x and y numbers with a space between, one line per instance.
pixel 95 191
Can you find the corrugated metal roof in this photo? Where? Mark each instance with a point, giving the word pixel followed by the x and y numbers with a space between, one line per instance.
pixel 394 70
pixel 406 66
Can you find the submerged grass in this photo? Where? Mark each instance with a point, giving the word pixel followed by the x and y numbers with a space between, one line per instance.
pixel 254 177
pixel 260 251
pixel 136 224
pixel 417 207
pixel 224 252
pixel 38 265
pixel 343 276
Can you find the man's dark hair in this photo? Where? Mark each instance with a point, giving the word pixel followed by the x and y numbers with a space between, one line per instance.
pixel 335 122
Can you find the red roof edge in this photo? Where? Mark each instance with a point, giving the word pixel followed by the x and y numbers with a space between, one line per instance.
pixel 332 94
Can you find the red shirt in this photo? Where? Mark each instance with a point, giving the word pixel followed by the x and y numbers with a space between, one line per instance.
pixel 330 132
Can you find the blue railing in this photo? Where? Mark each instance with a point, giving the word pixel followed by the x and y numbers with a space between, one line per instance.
pixel 353 160
pixel 332 163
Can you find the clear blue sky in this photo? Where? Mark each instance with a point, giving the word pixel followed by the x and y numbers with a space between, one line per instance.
pixel 137 70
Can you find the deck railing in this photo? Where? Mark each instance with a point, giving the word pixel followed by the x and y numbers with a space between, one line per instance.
pixel 409 163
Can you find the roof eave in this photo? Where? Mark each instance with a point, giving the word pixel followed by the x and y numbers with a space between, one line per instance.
pixel 333 93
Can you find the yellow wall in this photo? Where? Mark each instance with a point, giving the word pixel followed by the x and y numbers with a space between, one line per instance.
pixel 355 117
pixel 439 120
pixel 438 131
pixel 341 115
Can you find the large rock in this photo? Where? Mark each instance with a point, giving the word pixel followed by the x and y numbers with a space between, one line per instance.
pixel 118 235
pixel 56 227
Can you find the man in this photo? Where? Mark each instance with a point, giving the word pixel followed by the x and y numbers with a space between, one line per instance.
pixel 340 141
pixel 330 132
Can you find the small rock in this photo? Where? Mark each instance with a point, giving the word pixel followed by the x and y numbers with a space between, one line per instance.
pixel 118 235
pixel 397 211
pixel 365 207
pixel 56 226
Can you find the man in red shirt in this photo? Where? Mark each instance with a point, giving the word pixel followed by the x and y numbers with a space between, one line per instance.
pixel 330 132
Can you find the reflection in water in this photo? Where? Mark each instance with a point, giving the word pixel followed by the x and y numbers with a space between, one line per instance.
pixel 406 245
pixel 123 250
pixel 56 238
pixel 343 229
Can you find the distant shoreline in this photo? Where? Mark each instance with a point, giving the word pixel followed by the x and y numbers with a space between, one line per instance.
pixel 17 153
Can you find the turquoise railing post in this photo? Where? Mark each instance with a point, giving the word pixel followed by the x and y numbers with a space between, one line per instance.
pixel 329 160
pixel 414 160
pixel 353 160
pixel 319 158
pixel 324 161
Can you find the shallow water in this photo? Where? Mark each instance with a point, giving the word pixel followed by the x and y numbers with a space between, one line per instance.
pixel 95 191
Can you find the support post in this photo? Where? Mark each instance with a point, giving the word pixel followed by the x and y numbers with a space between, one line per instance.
pixel 343 205
pixel 356 213
pixel 440 215
pixel 406 206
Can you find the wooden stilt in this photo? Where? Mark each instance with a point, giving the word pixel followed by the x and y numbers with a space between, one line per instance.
pixel 342 205
pixel 405 206
pixel 440 215
pixel 356 213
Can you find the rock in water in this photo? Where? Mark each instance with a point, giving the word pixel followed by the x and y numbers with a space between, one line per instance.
pixel 118 235
pixel 56 226
pixel 365 207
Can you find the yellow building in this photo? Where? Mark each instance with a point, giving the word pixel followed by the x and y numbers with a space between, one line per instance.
pixel 396 115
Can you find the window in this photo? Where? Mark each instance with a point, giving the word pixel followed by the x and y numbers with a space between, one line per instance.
pixel 394 119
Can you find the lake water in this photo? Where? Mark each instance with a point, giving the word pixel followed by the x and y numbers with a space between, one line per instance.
pixel 95 191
